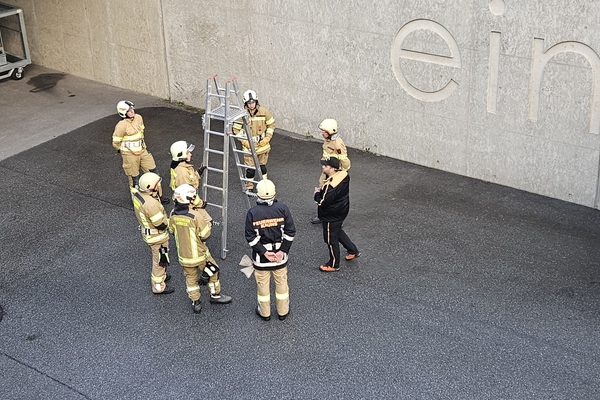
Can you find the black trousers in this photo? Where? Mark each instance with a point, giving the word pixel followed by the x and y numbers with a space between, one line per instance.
pixel 333 235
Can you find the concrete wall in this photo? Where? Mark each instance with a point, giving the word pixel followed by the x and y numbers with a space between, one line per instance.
pixel 116 42
pixel 501 90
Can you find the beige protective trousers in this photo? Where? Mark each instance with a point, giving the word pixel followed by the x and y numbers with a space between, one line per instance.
pixel 191 281
pixel 133 164
pixel 249 160
pixel 159 274
pixel 282 291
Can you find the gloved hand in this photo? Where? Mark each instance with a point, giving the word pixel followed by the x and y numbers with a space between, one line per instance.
pixel 164 257
pixel 265 141
pixel 201 169
pixel 245 144
pixel 198 203
pixel 211 268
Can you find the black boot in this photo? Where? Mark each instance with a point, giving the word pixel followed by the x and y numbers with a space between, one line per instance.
pixel 197 306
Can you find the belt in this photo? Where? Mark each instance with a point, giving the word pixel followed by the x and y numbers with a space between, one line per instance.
pixel 271 246
pixel 148 231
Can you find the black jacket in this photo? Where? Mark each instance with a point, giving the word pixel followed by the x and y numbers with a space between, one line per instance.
pixel 269 228
pixel 333 200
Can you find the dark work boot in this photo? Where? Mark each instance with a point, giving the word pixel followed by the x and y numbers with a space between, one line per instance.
pixel 261 317
pixel 283 317
pixel 315 220
pixel 168 290
pixel 196 306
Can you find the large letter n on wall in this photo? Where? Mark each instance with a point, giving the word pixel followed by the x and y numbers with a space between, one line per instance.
pixel 538 63
pixel 398 52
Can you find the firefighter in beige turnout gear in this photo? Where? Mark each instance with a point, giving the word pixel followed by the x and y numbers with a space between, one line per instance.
pixel 128 139
pixel 182 172
pixel 154 228
pixel 191 229
pixel 262 126
pixel 182 169
pixel 270 232
pixel 333 146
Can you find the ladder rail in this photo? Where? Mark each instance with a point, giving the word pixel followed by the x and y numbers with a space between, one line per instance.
pixel 230 109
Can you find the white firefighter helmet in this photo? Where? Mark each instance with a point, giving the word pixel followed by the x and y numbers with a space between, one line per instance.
pixel 149 182
pixel 329 125
pixel 184 194
pixel 265 189
pixel 179 150
pixel 123 107
pixel 250 95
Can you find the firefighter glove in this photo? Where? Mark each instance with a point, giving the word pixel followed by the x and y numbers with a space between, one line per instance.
pixel 164 257
pixel 211 268
pixel 201 169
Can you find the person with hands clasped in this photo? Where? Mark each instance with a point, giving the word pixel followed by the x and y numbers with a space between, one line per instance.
pixel 270 232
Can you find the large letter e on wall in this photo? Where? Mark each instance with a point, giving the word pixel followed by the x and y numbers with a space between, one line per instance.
pixel 398 52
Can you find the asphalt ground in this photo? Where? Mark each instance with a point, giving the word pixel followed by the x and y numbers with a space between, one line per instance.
pixel 464 290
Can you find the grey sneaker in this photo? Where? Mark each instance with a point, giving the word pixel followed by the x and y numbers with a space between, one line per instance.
pixel 220 299
pixel 315 220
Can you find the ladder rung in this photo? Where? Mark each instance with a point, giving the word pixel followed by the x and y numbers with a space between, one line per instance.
pixel 245 166
pixel 214 187
pixel 233 114
pixel 215 151
pixel 215 205
pixel 243 152
pixel 217 95
pixel 215 169
pixel 215 133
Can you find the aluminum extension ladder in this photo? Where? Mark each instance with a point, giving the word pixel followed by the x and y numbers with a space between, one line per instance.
pixel 224 106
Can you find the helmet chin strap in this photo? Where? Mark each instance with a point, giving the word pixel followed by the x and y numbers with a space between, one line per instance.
pixel 263 201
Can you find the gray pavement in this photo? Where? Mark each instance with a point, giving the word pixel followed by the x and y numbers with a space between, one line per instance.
pixel 465 290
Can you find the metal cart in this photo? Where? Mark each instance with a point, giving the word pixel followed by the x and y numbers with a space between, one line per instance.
pixel 14 51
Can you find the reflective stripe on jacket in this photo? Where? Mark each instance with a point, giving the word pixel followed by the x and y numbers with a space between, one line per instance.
pixel 150 214
pixel 129 135
pixel 184 173
pixel 335 147
pixel 269 228
pixel 190 229
pixel 262 126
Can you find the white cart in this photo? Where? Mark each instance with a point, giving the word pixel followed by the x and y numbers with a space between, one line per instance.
pixel 14 51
